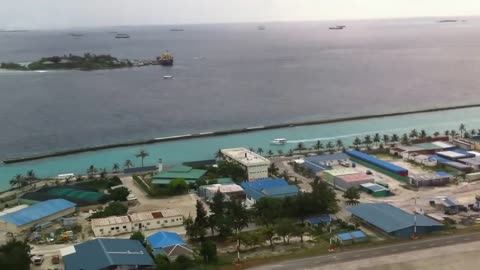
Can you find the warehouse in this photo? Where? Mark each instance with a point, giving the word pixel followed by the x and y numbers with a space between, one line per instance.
pixel 400 150
pixel 430 179
pixel 84 198
pixel 325 162
pixel 344 179
pixel 455 154
pixel 445 146
pixel 231 192
pixel 374 163
pixel 392 220
pixel 268 188
pixel 424 160
pixel 111 226
pixel 375 190
pixel 27 218
pixel 474 162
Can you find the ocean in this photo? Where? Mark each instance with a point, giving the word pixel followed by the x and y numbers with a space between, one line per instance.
pixel 231 76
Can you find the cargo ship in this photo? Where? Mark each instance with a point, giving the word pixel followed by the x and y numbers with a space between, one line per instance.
pixel 166 59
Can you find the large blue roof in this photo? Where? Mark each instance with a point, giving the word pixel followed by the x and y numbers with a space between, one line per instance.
pixel 103 252
pixel 37 211
pixel 388 217
pixel 164 239
pixel 317 163
pixel 377 162
pixel 269 187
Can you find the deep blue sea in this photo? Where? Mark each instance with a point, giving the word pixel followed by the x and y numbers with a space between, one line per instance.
pixel 231 75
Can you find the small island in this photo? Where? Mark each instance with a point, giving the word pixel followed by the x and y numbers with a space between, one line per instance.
pixel 86 62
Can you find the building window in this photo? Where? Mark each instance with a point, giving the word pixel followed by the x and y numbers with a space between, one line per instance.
pixel 112 228
pixel 125 226
pixel 166 221
pixel 158 222
pixel 148 223
pixel 173 220
pixel 117 228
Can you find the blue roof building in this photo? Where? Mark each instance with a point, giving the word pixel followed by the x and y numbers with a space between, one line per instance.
pixel 104 253
pixel 169 244
pixel 320 220
pixel 392 220
pixel 323 162
pixel 268 187
pixel 41 212
pixel 351 237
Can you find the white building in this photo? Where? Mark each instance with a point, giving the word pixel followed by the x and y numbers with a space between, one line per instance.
pixel 135 222
pixel 232 192
pixel 255 165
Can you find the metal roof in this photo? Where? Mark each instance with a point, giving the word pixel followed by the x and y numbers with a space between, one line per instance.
pixel 429 146
pixel 388 217
pixel 471 161
pixel 319 220
pixel 269 188
pixel 358 234
pixel 374 187
pixel 356 177
pixel 377 162
pixel 443 145
pixel 37 211
pixel 341 171
pixel 344 236
pixel 164 239
pixel 104 252
pixel 178 172
pixel 326 158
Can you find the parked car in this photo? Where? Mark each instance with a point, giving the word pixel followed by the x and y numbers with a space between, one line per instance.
pixel 55 259
pixel 37 259
pixel 369 172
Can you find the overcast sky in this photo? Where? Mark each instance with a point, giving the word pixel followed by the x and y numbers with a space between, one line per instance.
pixel 42 14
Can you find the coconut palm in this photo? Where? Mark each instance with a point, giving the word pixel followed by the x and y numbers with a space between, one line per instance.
pixel 318 146
pixel 280 152
pixel 473 132
pixel 339 144
pixel 462 129
pixel 128 164
pixel 219 154
pixel 404 139
pixel 447 133
pixel 270 153
pixel 251 149
pixel 260 151
pixel 357 142
pixel 466 135
pixel 386 139
pixel 376 138
pixel 116 167
pixel 330 147
pixel 300 147
pixel 31 176
pixel 436 134
pixel 395 138
pixel 453 133
pixel 91 170
pixel 423 134
pixel 413 134
pixel 142 155
pixel 18 181
pixel 291 152
pixel 367 140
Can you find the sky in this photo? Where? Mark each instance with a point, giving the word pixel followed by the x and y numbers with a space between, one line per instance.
pixel 63 14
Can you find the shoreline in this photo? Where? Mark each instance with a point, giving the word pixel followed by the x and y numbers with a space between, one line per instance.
pixel 227 132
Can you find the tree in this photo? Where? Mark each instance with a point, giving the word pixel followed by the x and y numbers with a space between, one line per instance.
pixel 162 262
pixel 183 262
pixel 473 132
pixel 116 167
pixel 177 187
pixel 238 215
pixel 453 133
pixel 413 134
pixel 232 170
pixel 405 139
pixel 18 181
pixel 462 129
pixel 219 154
pixel 31 176
pixel 273 169
pixel 466 135
pixel 447 133
pixel 423 134
pixel 318 146
pixel 436 134
pixel 376 139
pixel 386 139
pixel 367 140
pixel 352 195
pixel 357 142
pixel 15 255
pixel 300 231
pixel 208 251
pixel 284 228
pixel 339 144
pixel 270 153
pixel 113 209
pixel 280 152
pixel 190 228
pixel 201 220
pixel 91 171
pixel 119 194
pixel 128 164
pixel 395 138
pixel 260 151
pixel 330 147
pixel 291 152
pixel 300 147
pixel 142 155
pixel 268 233
pixel 138 235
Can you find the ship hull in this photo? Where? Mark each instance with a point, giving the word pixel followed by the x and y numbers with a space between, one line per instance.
pixel 166 62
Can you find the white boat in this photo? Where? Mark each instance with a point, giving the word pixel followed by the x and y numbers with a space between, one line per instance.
pixel 168 77
pixel 279 141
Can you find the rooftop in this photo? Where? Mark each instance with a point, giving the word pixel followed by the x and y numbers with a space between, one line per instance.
pixel 355 177
pixel 473 161
pixel 245 156
pixel 342 171
pixel 374 187
pixel 178 172
pixel 103 252
pixel 164 239
pixel 135 217
pixel 277 188
pixel 37 211
pixel 225 188
pixel 110 221
pixel 429 146
pixel 443 145
pixel 388 217
pixel 325 158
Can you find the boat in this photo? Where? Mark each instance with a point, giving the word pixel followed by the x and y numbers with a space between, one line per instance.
pixel 166 59
pixel 448 21
pixel 279 141
pixel 338 27
pixel 76 35
pixel 122 36
pixel 261 28
pixel 167 77
pixel 177 30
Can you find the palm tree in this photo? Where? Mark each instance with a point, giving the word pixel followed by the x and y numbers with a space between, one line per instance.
pixel 128 164
pixel 447 133
pixel 436 134
pixel 318 146
pixel 467 135
pixel 453 133
pixel 423 134
pixel 376 138
pixel 251 149
pixel 18 181
pixel 300 147
pixel 330 147
pixel 395 138
pixel 142 154
pixel 116 167
pixel 413 134
pixel 473 132
pixel 270 153
pixel 386 138
pixel 357 142
pixel 291 152
pixel 31 176
pixel 280 152
pixel 260 151
pixel 368 140
pixel 405 139
pixel 339 144
pixel 219 154
pixel 462 129
pixel 91 170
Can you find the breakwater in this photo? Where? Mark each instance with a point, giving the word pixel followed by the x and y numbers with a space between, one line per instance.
pixel 229 132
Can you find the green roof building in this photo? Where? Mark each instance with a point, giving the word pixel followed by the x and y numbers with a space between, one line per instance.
pixel 189 174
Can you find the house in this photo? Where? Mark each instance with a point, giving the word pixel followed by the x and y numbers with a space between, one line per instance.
pixel 320 220
pixel 392 220
pixel 189 174
pixel 107 254
pixel 267 188
pixel 23 220
pixel 254 164
pixel 351 237
pixel 169 244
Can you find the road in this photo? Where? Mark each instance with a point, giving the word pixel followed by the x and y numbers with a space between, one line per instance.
pixel 340 257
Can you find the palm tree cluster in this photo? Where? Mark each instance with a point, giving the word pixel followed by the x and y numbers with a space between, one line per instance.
pixel 20 180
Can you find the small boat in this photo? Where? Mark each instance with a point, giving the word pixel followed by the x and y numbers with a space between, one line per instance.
pixel 338 27
pixel 279 141
pixel 177 30
pixel 76 35
pixel 261 28
pixel 167 77
pixel 122 36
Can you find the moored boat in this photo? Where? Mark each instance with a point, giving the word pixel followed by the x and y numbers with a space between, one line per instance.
pixel 279 141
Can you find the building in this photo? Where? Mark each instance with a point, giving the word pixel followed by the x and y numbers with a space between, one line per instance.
pixel 107 254
pixel 112 226
pixel 325 162
pixel 346 181
pixel 405 150
pixel 189 174
pixel 25 219
pixel 455 154
pixel 320 220
pixel 231 192
pixel 472 177
pixel 472 143
pixel 267 188
pixel 473 162
pixel 351 237
pixel 460 167
pixel 430 179
pixel 375 190
pixel 330 175
pixel 392 220
pixel 423 159
pixel 254 165
pixel 169 244
pixel 379 165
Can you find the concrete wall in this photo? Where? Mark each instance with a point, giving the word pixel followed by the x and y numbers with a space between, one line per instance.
pixel 257 172
pixel 128 227
pixel 111 230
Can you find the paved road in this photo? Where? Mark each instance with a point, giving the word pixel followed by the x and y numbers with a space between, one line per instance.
pixel 340 257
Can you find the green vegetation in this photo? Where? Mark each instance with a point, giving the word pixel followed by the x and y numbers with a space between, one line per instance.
pixel 182 262
pixel 119 194
pixel 22 181
pixel 352 195
pixel 138 235
pixel 15 255
pixel 113 209
pixel 86 62
pixel 142 155
pixel 177 187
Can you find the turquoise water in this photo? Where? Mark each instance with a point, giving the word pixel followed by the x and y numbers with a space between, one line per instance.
pixel 197 149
